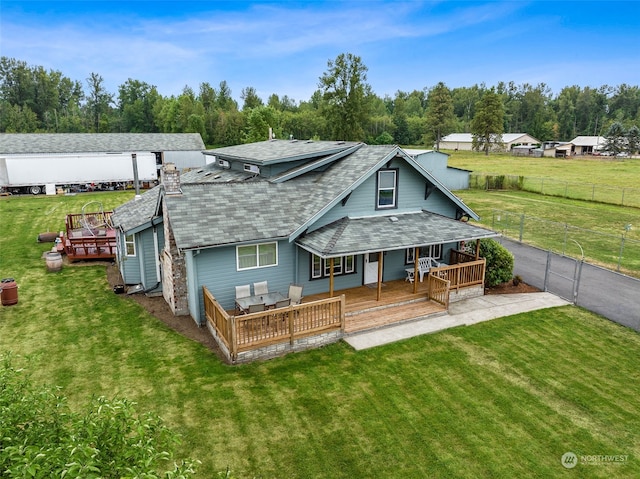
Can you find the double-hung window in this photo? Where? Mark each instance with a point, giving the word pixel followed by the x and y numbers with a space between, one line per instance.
pixel 434 251
pixel 387 187
pixel 321 268
pixel 257 256
pixel 130 245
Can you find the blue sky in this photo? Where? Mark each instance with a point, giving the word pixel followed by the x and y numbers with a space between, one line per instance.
pixel 283 47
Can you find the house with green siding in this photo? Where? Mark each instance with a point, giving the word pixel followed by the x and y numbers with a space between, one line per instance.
pixel 319 214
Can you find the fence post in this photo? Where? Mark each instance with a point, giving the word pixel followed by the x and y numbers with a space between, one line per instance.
pixel 521 226
pixel 292 333
pixel 621 251
pixel 576 282
pixel 546 271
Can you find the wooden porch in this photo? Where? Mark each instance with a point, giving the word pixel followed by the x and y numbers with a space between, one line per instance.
pixel 398 302
pixel 332 316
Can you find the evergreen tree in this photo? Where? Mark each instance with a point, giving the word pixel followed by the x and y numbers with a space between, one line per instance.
pixel 487 125
pixel 439 118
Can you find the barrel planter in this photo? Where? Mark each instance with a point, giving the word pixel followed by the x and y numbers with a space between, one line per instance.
pixel 9 291
pixel 54 261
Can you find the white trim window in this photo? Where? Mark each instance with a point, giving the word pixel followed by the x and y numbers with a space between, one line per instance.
pixel 130 245
pixel 433 251
pixel 387 189
pixel 321 268
pixel 256 256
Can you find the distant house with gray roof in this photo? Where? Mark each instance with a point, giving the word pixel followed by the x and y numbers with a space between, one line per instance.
pixel 463 141
pixel 282 211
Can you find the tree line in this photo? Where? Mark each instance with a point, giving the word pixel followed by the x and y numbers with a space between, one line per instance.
pixel 344 107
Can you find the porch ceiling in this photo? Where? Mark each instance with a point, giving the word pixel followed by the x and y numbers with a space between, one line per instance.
pixel 350 236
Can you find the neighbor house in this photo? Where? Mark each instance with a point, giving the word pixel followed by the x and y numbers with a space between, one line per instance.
pixel 580 145
pixel 463 141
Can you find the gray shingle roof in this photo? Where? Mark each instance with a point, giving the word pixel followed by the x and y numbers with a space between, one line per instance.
pixel 362 235
pixel 134 213
pixel 220 206
pixel 278 151
pixel 22 143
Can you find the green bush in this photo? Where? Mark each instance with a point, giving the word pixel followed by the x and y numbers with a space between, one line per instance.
pixel 40 437
pixel 499 262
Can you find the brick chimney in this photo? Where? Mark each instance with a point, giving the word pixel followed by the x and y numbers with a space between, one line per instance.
pixel 171 179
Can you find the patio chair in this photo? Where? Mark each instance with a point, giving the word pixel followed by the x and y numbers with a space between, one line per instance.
pixel 243 291
pixel 283 303
pixel 260 288
pixel 425 264
pixel 295 293
pixel 256 308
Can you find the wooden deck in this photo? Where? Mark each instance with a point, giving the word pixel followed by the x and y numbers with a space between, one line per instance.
pixel 89 236
pixel 397 303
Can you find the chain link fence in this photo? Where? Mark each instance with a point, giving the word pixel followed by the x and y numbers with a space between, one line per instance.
pixel 615 252
pixel 547 186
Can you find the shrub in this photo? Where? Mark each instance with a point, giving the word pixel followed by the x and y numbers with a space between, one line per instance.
pixel 41 437
pixel 499 262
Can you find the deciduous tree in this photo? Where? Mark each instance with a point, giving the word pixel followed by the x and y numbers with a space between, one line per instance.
pixel 345 95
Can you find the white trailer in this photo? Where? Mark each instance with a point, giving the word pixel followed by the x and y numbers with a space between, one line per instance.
pixel 35 173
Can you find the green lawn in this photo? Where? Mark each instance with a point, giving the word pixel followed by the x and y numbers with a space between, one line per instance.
pixel 502 399
pixel 589 170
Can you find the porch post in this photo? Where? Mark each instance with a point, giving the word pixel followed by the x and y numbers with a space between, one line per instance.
pixel 477 249
pixel 331 278
pixel 380 259
pixel 416 252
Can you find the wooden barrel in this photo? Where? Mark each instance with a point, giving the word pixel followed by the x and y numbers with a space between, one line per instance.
pixel 54 261
pixel 8 291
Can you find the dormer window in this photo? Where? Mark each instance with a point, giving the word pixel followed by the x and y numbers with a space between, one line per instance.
pixel 387 189
pixel 224 164
pixel 252 168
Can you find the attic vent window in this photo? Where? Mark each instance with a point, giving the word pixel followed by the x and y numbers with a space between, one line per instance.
pixel 252 168
pixel 224 164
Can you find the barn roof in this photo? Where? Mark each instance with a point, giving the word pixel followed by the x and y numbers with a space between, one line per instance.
pixel 25 143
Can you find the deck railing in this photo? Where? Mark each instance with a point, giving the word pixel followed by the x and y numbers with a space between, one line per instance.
pixel 251 331
pixel 438 290
pixel 457 256
pixel 462 275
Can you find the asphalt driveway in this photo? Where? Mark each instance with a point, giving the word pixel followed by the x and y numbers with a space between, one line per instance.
pixel 610 294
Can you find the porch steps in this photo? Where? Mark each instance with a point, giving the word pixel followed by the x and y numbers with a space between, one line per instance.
pixel 391 315
pixel 385 306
